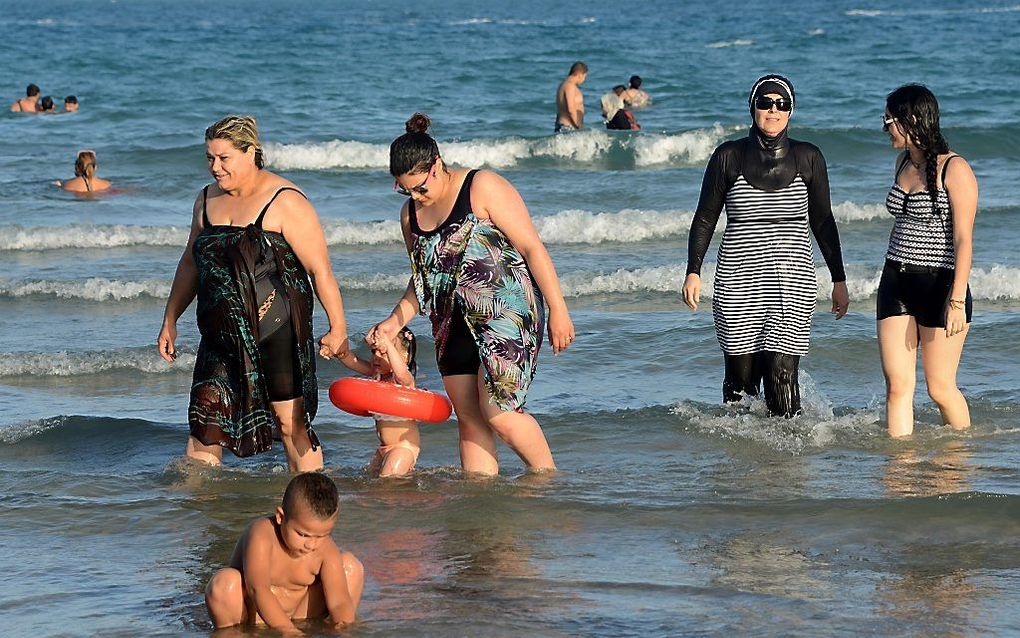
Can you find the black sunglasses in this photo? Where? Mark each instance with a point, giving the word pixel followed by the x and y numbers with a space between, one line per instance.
pixel 421 189
pixel 763 103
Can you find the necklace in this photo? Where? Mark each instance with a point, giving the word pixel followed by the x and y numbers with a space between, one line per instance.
pixel 916 165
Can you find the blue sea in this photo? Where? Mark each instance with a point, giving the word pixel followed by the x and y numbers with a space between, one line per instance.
pixel 672 515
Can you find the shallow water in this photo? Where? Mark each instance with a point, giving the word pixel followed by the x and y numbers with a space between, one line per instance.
pixel 671 515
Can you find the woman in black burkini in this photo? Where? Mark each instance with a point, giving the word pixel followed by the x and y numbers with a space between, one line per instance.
pixel 776 193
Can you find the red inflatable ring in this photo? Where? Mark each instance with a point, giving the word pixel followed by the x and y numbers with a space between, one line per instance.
pixel 365 397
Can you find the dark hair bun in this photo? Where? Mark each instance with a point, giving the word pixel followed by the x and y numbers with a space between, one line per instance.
pixel 419 123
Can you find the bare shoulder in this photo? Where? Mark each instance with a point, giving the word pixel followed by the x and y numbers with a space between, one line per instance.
pixel 330 554
pixel 958 171
pixel 487 181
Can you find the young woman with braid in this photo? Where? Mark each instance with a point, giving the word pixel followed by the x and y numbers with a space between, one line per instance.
pixel 923 298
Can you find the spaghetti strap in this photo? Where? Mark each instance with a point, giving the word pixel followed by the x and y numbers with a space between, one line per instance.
pixel 258 221
pixel 945 165
pixel 205 198
pixel 903 164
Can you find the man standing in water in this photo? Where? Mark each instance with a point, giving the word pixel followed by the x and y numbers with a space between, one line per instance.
pixel 27 104
pixel 569 101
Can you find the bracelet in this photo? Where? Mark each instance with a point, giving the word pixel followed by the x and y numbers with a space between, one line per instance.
pixel 957 304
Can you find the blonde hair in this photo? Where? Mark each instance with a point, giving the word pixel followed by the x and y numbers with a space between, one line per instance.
pixel 242 132
pixel 85 165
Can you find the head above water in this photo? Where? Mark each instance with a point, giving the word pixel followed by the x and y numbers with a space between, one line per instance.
pixel 46 104
pixel 242 132
pixel 314 491
pixel 415 151
pixel 619 89
pixel 70 103
pixel 915 113
pixel 32 91
pixel 635 82
pixel 85 164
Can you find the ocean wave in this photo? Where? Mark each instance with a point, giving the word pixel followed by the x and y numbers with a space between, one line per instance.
pixel 565 227
pixel 742 42
pixel 872 13
pixel 93 289
pixel 71 364
pixel 586 146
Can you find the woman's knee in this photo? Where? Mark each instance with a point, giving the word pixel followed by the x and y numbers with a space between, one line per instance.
pixel 900 384
pixel 942 390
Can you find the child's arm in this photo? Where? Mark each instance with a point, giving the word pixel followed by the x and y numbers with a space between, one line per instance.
pixel 257 555
pixel 401 373
pixel 334 588
pixel 351 360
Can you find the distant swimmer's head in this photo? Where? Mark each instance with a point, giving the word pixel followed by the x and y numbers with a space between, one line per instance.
pixel 70 104
pixel 233 150
pixel 912 119
pixel 85 164
pixel 415 163
pixel 308 512
pixel 579 70
pixel 32 91
pixel 635 82
pixel 771 102
pixel 46 104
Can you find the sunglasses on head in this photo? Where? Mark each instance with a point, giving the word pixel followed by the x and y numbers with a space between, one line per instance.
pixel 763 103
pixel 420 189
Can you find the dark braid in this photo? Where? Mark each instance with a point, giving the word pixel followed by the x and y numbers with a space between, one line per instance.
pixel 917 111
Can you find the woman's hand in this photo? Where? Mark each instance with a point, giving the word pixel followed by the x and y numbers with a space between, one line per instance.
pixel 692 290
pixel 165 341
pixel 956 319
pixel 334 344
pixel 383 332
pixel 840 299
pixel 561 330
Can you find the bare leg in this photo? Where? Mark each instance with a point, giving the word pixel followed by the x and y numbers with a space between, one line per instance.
pixel 196 450
pixel 398 462
pixel 897 344
pixel 941 358
pixel 477 443
pixel 296 443
pixel 519 430
pixel 224 598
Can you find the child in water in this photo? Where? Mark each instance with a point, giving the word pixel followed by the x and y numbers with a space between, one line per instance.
pixel 399 443
pixel 286 567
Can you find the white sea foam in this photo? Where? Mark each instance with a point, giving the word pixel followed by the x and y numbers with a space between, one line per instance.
pixel 69 364
pixel 93 289
pixel 848 212
pixel 743 42
pixel 583 146
pixel 626 226
pixel 816 32
pixel 871 13
pixel 90 236
pixel 864 12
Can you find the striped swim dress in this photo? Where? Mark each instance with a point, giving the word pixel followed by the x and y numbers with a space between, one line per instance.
pixel 765 288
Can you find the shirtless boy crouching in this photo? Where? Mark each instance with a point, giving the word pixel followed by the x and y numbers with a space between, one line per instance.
pixel 286 567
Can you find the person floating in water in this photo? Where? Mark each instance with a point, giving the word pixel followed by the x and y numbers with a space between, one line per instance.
pixel 634 97
pixel 570 101
pixel 84 180
pixel 614 113
pixel 27 104
pixel 70 104
pixel 286 566
pixel 47 106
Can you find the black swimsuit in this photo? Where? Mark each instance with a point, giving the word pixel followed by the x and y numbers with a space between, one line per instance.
pixel 279 364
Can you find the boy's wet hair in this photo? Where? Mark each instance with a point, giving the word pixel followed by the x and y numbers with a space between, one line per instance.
pixel 32 90
pixel 70 99
pixel 317 490
pixel 46 103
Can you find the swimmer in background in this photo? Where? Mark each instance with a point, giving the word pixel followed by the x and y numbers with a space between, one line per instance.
pixel 84 180
pixel 70 104
pixel 615 116
pixel 286 566
pixel 47 106
pixel 399 442
pixel 634 97
pixel 27 104
pixel 570 101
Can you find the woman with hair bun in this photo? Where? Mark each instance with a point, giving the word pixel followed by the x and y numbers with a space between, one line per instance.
pixel 923 297
pixel 84 180
pixel 480 271
pixel 255 255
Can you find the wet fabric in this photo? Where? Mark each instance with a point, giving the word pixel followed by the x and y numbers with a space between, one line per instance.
pixel 469 262
pixel 745 374
pixel 230 397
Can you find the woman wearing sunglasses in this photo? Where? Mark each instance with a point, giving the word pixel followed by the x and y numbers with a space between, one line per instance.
pixel 923 298
pixel 483 275
pixel 776 193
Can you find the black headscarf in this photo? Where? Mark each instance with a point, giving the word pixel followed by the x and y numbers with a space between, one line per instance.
pixel 763 163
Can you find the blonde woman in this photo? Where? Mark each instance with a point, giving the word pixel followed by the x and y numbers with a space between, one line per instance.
pixel 84 180
pixel 255 255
